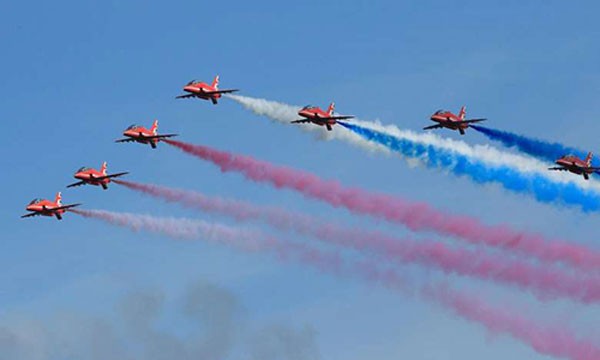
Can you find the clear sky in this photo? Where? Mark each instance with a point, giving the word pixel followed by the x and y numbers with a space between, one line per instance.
pixel 76 73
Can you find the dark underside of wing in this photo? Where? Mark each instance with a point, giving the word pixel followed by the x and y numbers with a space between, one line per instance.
pixel 163 136
pixel 227 91
pixel 31 214
pixel 436 126
pixel 113 175
pixel 301 121
pixel 471 121
pixel 186 96
pixel 65 207
pixel 79 183
pixel 125 140
pixel 341 117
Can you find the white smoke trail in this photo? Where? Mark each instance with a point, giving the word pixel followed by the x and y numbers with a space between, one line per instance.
pixel 284 113
pixel 178 228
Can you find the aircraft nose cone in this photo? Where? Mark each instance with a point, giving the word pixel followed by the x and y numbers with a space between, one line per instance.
pixel 188 88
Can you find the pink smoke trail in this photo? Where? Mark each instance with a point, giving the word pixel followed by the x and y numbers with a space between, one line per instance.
pixel 545 281
pixel 415 216
pixel 547 340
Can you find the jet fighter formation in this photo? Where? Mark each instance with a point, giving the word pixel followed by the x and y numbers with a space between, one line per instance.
pixel 89 176
pixel 448 120
pixel 315 115
pixel 43 207
pixel 575 165
pixel 202 90
pixel 309 114
pixel 138 133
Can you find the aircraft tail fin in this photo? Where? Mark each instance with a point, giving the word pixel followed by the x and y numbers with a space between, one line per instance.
pixel 588 158
pixel 215 83
pixel 154 127
pixel 103 168
pixel 58 199
pixel 331 109
pixel 462 113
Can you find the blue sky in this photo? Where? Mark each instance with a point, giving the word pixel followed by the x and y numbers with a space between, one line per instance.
pixel 77 73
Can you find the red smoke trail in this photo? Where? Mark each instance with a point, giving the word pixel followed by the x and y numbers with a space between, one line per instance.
pixel 546 281
pixel 547 340
pixel 415 216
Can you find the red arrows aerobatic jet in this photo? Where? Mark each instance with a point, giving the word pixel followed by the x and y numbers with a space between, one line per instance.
pixel 446 119
pixel 43 207
pixel 94 177
pixel 202 90
pixel 142 135
pixel 315 115
pixel 575 165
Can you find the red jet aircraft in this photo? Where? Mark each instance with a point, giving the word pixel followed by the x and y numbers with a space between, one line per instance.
pixel 446 119
pixel 575 165
pixel 315 115
pixel 202 90
pixel 43 207
pixel 94 177
pixel 142 135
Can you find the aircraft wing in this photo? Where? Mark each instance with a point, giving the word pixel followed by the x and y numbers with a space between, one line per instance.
pixel 125 140
pixel 96 178
pixel 186 96
pixel 558 168
pixel 30 215
pixel 163 136
pixel 228 91
pixel 64 207
pixel 79 183
pixel 301 121
pixel 470 121
pixel 437 126
pixel 340 117
pixel 111 175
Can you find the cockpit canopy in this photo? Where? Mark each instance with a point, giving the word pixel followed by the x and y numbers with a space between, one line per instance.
pixel 308 107
pixel 191 82
pixel 134 126
pixel 440 112
pixel 83 168
pixel 35 201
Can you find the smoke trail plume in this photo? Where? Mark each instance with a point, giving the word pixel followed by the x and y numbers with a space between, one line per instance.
pixel 555 340
pixel 543 150
pixel 283 113
pixel 415 216
pixel 536 184
pixel 549 340
pixel 546 282
pixel 184 229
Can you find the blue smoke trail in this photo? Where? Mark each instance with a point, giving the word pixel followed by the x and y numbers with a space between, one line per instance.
pixel 540 187
pixel 543 150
